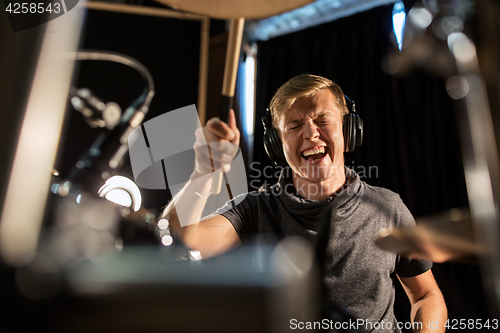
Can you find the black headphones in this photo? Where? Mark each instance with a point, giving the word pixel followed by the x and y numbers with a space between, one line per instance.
pixel 353 134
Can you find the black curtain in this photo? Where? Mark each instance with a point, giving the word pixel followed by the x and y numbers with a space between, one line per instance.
pixel 411 143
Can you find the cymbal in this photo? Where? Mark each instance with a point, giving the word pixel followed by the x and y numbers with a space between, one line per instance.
pixel 226 9
pixel 444 237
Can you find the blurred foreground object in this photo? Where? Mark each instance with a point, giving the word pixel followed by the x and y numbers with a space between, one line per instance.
pixel 231 9
pixel 443 237
pixel 30 174
pixel 146 290
pixel 441 37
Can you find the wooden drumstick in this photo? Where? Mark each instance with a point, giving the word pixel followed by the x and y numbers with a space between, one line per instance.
pixel 228 86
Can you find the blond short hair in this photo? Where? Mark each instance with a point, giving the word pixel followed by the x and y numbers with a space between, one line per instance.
pixel 304 85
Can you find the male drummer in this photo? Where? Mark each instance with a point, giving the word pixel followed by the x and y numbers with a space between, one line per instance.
pixel 308 113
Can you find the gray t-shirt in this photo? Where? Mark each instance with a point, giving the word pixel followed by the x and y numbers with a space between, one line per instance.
pixel 357 274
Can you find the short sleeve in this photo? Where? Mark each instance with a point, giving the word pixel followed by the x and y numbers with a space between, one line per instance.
pixel 238 215
pixel 406 267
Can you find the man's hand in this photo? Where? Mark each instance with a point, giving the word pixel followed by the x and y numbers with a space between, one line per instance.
pixel 216 145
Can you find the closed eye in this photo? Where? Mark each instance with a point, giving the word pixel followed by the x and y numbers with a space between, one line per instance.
pixel 293 126
pixel 323 120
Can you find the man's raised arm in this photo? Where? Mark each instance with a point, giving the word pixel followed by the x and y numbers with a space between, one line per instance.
pixel 214 235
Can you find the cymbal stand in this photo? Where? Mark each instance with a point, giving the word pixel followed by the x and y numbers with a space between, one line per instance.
pixel 467 86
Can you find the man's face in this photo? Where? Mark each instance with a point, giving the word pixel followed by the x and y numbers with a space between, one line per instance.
pixel 311 132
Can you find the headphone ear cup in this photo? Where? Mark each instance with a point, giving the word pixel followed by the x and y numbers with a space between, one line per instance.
pixel 359 131
pixel 272 141
pixel 278 155
pixel 353 127
pixel 349 133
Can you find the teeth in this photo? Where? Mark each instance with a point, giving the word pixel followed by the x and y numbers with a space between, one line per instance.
pixel 314 151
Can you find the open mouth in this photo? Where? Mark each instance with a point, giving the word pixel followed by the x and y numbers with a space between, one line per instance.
pixel 316 153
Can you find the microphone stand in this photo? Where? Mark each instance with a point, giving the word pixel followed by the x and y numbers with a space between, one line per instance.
pixel 106 154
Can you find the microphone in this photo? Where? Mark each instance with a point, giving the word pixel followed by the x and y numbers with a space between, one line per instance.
pixel 96 112
pixel 108 150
